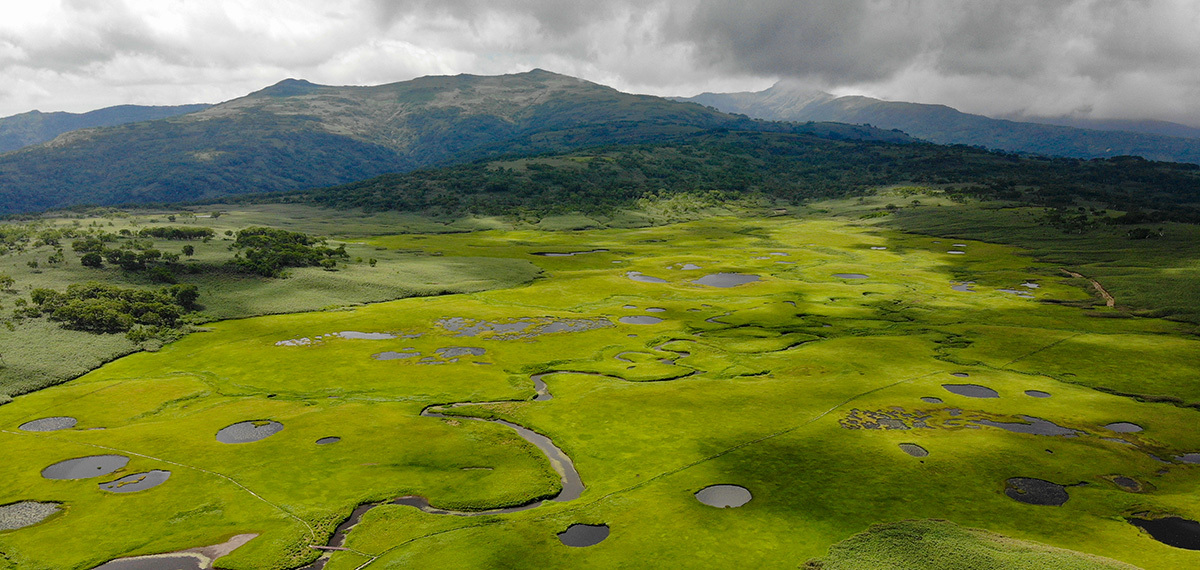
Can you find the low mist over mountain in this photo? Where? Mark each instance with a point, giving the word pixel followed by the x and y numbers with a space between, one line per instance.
pixel 946 125
pixel 296 135
pixel 36 127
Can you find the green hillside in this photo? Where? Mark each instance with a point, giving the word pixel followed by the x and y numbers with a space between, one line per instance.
pixel 35 127
pixel 296 135
pixel 790 167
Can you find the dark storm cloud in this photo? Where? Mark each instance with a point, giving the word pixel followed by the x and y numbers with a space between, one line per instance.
pixel 1111 57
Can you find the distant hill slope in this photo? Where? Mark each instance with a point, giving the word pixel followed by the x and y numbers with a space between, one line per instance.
pixel 296 134
pixel 945 125
pixel 35 127
pixel 1147 126
pixel 724 166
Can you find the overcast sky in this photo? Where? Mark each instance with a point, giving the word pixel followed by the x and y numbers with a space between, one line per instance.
pixel 1107 58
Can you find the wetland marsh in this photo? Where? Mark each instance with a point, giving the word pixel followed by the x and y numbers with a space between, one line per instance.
pixel 748 383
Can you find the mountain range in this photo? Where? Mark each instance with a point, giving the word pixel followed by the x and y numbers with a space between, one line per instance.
pixel 295 135
pixel 945 125
pixel 35 127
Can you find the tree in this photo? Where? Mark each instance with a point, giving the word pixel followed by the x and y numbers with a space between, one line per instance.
pixel 92 259
pixel 188 250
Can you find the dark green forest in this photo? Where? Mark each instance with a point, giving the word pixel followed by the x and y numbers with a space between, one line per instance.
pixel 789 167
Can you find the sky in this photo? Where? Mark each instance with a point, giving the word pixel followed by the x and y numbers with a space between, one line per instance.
pixel 1089 58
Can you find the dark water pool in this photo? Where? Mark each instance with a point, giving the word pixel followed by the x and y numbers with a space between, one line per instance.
pixel 1172 531
pixel 584 535
pixel 85 467
pixel 724 496
pixel 137 482
pixel 971 390
pixel 249 431
pixel 54 423
pixel 1036 491
pixel 726 280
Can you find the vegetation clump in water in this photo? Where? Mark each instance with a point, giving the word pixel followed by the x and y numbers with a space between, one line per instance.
pixel 1036 491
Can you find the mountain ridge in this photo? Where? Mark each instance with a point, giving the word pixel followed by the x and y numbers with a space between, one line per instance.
pixel 943 124
pixel 35 127
pixel 296 134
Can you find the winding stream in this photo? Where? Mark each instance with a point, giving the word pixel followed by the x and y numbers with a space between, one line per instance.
pixel 572 483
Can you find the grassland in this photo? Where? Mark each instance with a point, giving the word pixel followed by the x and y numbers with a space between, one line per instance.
pixel 755 385
pixel 37 353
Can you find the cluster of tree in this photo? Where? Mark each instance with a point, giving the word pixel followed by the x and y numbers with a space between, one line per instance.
pixel 132 255
pixel 788 166
pixel 102 308
pixel 268 251
pixel 177 233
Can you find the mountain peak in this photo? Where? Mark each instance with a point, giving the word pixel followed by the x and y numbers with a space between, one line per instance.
pixel 289 88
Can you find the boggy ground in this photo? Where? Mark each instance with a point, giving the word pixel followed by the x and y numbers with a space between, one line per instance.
pixel 750 385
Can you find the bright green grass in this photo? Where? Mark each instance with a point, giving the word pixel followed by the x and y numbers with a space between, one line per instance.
pixel 772 369
pixel 945 545
pixel 1150 276
pixel 39 353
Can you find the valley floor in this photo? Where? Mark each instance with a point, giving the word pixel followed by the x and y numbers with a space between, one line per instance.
pixel 840 388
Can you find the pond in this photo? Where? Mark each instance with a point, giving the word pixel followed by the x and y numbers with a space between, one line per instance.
pixel 726 280
pixel 249 431
pixel 137 482
pixel 583 535
pixel 971 390
pixel 54 423
pixel 724 496
pixel 85 467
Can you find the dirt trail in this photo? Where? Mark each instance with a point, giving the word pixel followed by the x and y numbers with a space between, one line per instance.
pixel 1108 298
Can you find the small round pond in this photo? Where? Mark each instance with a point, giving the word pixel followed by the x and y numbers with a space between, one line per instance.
pixel 457 351
pixel 393 355
pixel 851 276
pixel 355 335
pixel 1123 427
pixel 1172 531
pixel 726 280
pixel 137 482
pixel 914 450
pixel 584 535
pixel 971 390
pixel 724 496
pixel 54 423
pixel 960 375
pixel 85 467
pixel 640 320
pixel 328 440
pixel 641 278
pixel 1190 458
pixel 1036 491
pixel 249 431
pixel 931 400
pixel 1037 394
pixel 25 513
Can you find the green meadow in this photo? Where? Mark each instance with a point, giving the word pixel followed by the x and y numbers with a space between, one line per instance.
pixel 764 385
